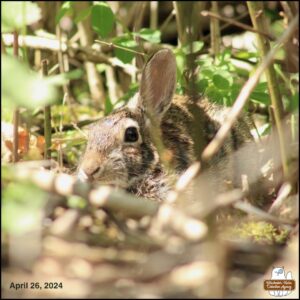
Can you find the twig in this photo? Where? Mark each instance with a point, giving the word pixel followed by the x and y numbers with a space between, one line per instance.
pixel 244 94
pixel 95 81
pixel 255 211
pixel 236 23
pixel 225 26
pixel 153 14
pixel 16 112
pixel 183 181
pixel 116 201
pixel 73 50
pixel 258 20
pixel 282 196
pixel 287 9
pixel 120 47
pixel 47 118
pixel 215 29
pixel 112 84
pixel 166 22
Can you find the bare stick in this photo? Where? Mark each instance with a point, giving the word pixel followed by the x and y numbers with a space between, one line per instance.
pixel 95 81
pixel 244 94
pixel 260 214
pixel 153 14
pixel 236 23
pixel 75 51
pixel 215 29
pixel 16 110
pixel 120 47
pixel 47 118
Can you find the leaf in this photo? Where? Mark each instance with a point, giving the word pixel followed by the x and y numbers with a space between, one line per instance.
pixel 193 47
pixel 16 14
pixel 80 16
pixel 261 98
pixel 207 73
pixel 220 82
pixel 66 8
pixel 125 42
pixel 202 85
pixel 150 35
pixel 32 90
pixel 108 107
pixel 293 103
pixel 261 87
pixel 103 19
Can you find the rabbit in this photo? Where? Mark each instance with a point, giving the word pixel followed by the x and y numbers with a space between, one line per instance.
pixel 120 151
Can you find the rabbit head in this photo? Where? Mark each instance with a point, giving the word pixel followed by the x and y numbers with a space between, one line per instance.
pixel 119 149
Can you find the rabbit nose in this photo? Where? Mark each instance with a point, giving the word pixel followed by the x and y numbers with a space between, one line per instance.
pixel 87 170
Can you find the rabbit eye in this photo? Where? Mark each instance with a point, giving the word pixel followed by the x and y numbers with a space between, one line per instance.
pixel 131 135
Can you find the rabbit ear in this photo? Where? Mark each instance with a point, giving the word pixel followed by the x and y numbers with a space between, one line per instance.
pixel 158 83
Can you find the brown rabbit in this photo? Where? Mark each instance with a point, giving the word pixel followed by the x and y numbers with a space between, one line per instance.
pixel 120 151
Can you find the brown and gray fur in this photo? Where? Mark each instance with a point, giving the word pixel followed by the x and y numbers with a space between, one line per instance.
pixel 187 126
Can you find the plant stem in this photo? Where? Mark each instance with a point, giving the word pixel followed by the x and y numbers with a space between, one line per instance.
pixel 47 118
pixel 16 112
pixel 215 15
pixel 259 23
pixel 153 14
pixel 215 30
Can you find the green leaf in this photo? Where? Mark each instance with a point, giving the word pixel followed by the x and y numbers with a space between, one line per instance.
pixel 207 73
pixel 244 54
pixel 220 82
pixel 108 107
pixel 103 19
pixel 16 14
pixel 32 90
pixel 80 16
pixel 202 85
pixel 125 42
pixel 261 87
pixel 293 103
pixel 261 98
pixel 150 35
pixel 193 47
pixel 66 8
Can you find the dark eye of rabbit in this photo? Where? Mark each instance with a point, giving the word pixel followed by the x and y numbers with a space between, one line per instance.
pixel 131 135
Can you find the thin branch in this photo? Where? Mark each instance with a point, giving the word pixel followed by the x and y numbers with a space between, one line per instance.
pixel 236 23
pixel 47 118
pixel 120 47
pixel 167 20
pixel 260 214
pixel 16 113
pixel 215 29
pixel 153 14
pixel 94 79
pixel 244 94
pixel 73 50
pixel 287 9
pixel 116 201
